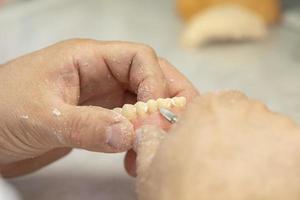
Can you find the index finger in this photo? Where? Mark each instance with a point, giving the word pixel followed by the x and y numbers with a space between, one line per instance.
pixel 106 67
pixel 142 72
pixel 178 84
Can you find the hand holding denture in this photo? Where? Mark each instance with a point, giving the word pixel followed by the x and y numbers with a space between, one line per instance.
pixel 64 97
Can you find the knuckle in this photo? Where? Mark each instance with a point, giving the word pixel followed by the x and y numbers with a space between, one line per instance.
pixel 147 49
pixel 69 42
pixel 77 42
pixel 260 105
pixel 162 60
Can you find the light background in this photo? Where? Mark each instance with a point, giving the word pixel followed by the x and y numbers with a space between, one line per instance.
pixel 268 70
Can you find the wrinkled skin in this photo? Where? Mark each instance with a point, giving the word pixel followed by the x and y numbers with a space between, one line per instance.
pixel 60 97
pixel 225 146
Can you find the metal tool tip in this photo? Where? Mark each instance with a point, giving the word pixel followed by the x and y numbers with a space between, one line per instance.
pixel 169 115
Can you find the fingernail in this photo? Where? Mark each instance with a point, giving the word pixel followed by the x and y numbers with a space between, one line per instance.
pixel 120 135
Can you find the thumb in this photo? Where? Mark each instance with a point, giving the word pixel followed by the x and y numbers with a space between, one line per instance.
pixel 95 129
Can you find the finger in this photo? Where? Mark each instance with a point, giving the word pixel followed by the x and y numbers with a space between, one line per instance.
pixel 94 128
pixel 147 141
pixel 178 84
pixel 134 67
pixel 143 72
pixel 30 165
pixel 130 163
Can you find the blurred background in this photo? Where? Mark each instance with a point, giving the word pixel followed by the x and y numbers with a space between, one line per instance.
pixel 268 70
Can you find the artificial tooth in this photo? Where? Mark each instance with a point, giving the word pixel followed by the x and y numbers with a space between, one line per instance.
pixel 179 102
pixel 169 101
pixel 129 111
pixel 173 102
pixel 141 108
pixel 152 106
pixel 164 103
pixel 118 110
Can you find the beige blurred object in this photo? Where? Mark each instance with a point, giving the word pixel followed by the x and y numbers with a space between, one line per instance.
pixel 223 23
pixel 269 10
pixel 226 146
pixel 226 20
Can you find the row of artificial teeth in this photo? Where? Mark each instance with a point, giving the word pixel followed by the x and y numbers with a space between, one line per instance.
pixel 141 109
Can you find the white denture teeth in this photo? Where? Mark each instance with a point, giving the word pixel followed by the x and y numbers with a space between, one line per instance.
pixel 173 101
pixel 164 103
pixel 129 111
pixel 152 106
pixel 169 102
pixel 141 109
pixel 179 102
pixel 118 110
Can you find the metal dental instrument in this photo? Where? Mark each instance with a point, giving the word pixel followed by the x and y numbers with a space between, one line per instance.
pixel 170 116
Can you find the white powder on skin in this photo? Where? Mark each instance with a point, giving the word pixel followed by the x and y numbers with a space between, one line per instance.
pixel 56 112
pixel 148 136
pixel 144 92
pixel 119 136
pixel 171 80
pixel 24 117
pixel 59 137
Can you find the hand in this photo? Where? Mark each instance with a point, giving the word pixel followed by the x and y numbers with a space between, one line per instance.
pixel 225 146
pixel 59 98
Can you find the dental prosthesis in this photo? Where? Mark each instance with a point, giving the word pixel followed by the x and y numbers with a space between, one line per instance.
pixel 142 110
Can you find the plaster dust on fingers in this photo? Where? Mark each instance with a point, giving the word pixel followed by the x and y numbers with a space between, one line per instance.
pixel 24 117
pixel 56 112
pixel 147 140
pixel 119 135
pixel 60 137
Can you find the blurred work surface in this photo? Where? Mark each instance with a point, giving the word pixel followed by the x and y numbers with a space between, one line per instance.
pixel 268 70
